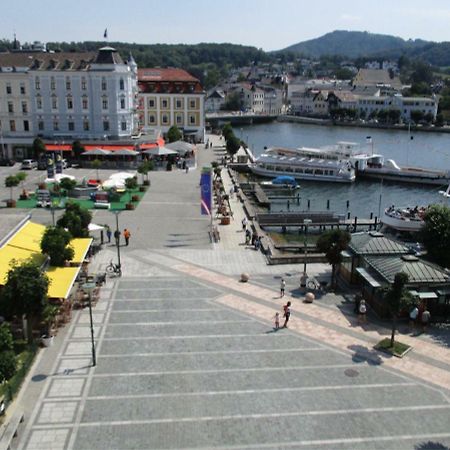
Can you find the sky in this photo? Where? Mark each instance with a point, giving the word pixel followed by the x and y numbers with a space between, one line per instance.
pixel 270 25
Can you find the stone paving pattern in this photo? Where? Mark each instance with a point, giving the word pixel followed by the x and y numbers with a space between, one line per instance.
pixel 187 357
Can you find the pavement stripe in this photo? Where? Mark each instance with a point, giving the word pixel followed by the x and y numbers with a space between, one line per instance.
pixel 195 336
pixel 218 352
pixel 191 322
pixel 125 311
pixel 253 391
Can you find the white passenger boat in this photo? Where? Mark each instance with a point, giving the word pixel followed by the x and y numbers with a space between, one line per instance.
pixel 305 164
pixel 404 219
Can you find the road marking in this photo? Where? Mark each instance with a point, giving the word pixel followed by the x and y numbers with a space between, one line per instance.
pixel 191 322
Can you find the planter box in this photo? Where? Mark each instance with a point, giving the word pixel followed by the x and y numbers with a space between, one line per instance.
pixel 11 203
pixel 135 198
pixel 142 188
pixel 129 206
pixel 47 341
pixel 146 183
pixel 225 220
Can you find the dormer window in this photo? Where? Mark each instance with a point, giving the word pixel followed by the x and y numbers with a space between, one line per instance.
pixel 68 84
pixel 83 84
pixel 52 83
pixel 103 84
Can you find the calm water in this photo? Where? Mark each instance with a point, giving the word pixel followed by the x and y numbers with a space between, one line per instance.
pixel 430 150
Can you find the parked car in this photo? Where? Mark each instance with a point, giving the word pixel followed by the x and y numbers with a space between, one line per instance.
pixel 7 162
pixel 28 164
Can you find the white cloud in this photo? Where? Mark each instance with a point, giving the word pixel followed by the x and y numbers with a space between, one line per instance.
pixel 349 18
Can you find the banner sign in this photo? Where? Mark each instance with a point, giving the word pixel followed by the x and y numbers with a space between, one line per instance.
pixel 59 167
pixel 50 168
pixel 205 191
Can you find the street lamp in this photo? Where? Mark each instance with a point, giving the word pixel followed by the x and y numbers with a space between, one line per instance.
pixel 117 237
pixel 89 287
pixel 304 277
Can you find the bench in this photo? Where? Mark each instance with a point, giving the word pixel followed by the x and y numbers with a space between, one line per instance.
pixel 10 430
pixel 102 205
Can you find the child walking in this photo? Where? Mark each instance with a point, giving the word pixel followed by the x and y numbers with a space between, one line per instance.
pixel 276 317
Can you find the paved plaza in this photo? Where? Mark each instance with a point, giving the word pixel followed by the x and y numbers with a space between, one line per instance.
pixel 187 357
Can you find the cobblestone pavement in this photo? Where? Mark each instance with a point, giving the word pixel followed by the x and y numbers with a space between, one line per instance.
pixel 187 357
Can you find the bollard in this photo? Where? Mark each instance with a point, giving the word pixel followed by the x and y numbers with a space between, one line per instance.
pixel 348 215
pixel 288 205
pixel 328 204
pixel 309 204
pixel 371 215
pixel 298 199
pixel 348 204
pixel 355 224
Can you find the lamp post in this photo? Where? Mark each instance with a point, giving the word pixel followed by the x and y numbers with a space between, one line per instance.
pixel 304 277
pixel 89 287
pixel 117 237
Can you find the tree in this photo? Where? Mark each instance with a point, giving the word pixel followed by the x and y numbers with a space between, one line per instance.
pixel 22 176
pixel 25 293
pixel 233 145
pixel 11 182
pixel 174 134
pixel 55 243
pixel 233 102
pixel 144 169
pixel 435 233
pixel 76 219
pixel 96 164
pixel 38 148
pixel 131 183
pixel 227 131
pixel 416 115
pixel 7 356
pixel 77 149
pixel 332 243
pixel 67 184
pixel 397 298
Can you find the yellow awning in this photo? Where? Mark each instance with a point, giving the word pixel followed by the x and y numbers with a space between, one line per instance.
pixel 28 237
pixel 61 281
pixel 9 253
pixel 81 247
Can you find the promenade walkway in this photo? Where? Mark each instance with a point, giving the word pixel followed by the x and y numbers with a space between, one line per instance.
pixel 187 357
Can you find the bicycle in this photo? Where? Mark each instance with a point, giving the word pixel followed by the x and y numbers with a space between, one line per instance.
pixel 115 269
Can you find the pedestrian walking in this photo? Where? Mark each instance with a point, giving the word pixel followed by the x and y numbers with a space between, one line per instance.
pixel 286 314
pixel 425 319
pixel 413 317
pixel 362 310
pixel 244 224
pixel 276 318
pixel 117 237
pixel 108 233
pixel 126 235
pixel 282 287
pixel 248 236
pixel 187 168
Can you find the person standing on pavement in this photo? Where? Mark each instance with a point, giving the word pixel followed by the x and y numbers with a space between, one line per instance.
pixel 425 319
pixel 244 224
pixel 117 237
pixel 108 233
pixel 282 287
pixel 126 235
pixel 276 317
pixel 286 314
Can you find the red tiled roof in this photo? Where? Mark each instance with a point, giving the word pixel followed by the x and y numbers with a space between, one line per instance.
pixel 165 75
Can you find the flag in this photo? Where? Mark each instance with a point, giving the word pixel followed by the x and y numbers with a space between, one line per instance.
pixel 105 34
pixel 205 191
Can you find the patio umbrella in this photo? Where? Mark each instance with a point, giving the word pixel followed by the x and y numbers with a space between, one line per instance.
pixel 58 177
pixel 97 152
pixel 124 152
pixel 117 183
pixel 160 151
pixel 122 175
pixel 95 227
pixel 180 147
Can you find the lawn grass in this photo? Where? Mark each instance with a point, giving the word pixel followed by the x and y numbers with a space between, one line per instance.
pixel 119 205
pixel 398 350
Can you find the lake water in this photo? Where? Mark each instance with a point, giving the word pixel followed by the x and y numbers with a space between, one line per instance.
pixel 429 150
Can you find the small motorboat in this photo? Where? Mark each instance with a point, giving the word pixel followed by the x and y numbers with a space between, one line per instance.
pixel 281 182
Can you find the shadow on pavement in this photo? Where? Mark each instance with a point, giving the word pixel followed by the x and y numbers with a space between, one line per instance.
pixel 365 354
pixel 431 446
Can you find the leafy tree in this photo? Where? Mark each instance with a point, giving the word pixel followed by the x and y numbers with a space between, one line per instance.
pixel 8 360
pixel 416 115
pixel 343 73
pixel 67 184
pixel 435 234
pixel 131 183
pixel 233 145
pixel 145 168
pixel 233 102
pixel 38 148
pixel 6 338
pixel 76 219
pixel 55 243
pixel 77 149
pixel 227 131
pixel 397 298
pixel 332 243
pixel 174 134
pixel 11 182
pixel 25 293
pixel 96 164
pixel 22 176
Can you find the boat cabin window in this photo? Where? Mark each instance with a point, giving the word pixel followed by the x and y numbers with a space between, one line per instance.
pixel 298 171
pixel 319 172
pixel 310 171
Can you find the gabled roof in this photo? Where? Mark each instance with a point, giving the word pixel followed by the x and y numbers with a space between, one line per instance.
pixel 418 271
pixel 158 74
pixel 373 243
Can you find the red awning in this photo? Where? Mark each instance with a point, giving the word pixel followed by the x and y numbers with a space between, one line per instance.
pixel 58 147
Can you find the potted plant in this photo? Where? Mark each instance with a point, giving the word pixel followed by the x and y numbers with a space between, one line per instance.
pixel 135 198
pixel 11 182
pixel 129 206
pixel 48 318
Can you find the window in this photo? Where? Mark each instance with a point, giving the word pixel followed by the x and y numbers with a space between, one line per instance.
pixel 84 103
pixel 152 119
pixel 103 84
pixel 8 89
pixel 192 119
pixel 68 84
pixel 37 83
pixel 178 103
pixel 54 103
pixel 105 125
pixel 52 83
pixel 192 104
pixel 12 125
pixel 165 119
pixel 83 84
pixel 69 103
pixel 22 89
pixel 24 107
pixel 86 125
pixel 10 107
pixel 71 126
pixel 26 125
pixel 124 126
pixel 151 103
pixel 104 103
pixel 55 125
pixel 164 103
pixel 41 125
pixel 121 84
pixel 179 119
pixel 122 103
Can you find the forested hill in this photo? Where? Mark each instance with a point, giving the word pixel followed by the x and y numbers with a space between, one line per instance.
pixel 354 44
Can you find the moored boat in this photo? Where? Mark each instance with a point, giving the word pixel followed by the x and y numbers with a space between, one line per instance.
pixel 404 219
pixel 281 182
